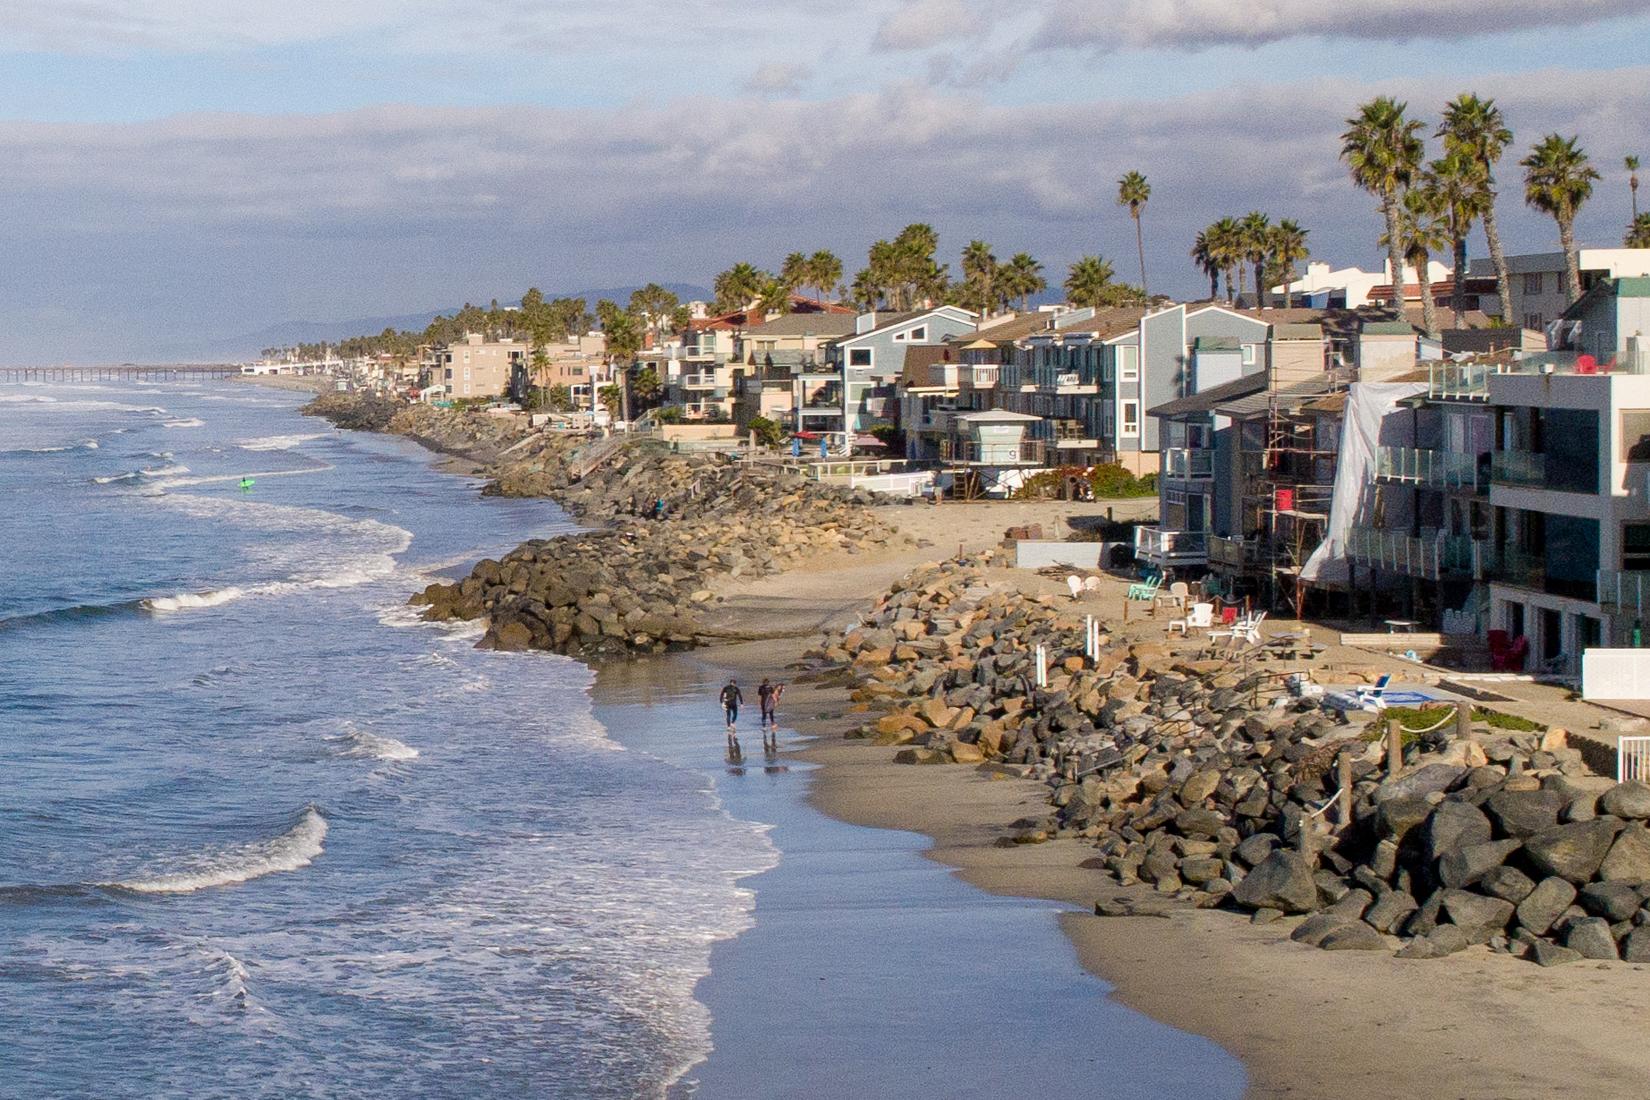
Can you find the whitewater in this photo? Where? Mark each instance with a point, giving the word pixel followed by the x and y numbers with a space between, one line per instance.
pixel 267 834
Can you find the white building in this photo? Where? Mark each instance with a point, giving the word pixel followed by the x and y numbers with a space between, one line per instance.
pixel 1539 295
pixel 1324 287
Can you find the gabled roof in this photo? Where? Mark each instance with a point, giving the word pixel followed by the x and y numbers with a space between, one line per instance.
pixel 1208 399
pixel 807 324
pixel 920 361
pixel 899 320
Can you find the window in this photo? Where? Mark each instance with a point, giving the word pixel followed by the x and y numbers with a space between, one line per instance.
pixel 1635 547
pixel 859 357
pixel 1635 436
pixel 1128 364
pixel 1248 355
pixel 1131 418
pixel 1532 282
pixel 918 334
pixel 1535 321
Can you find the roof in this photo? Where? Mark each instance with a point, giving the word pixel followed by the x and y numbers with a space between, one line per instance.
pixel 998 416
pixel 1110 322
pixel 1207 400
pixel 1298 330
pixel 920 361
pixel 1299 396
pixel 1006 332
pixel 1388 328
pixel 807 324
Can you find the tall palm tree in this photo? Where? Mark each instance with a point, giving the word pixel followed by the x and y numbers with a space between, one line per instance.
pixel 1455 182
pixel 1257 236
pixel 1203 254
pixel 1025 275
pixel 1632 164
pixel 979 268
pixel 1476 127
pixel 1383 148
pixel 738 286
pixel 1089 282
pixel 1133 192
pixel 1286 244
pixel 1424 231
pixel 1638 234
pixel 824 271
pixel 1226 243
pixel 1558 178
pixel 794 271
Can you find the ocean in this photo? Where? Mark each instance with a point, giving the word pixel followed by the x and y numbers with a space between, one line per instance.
pixel 263 833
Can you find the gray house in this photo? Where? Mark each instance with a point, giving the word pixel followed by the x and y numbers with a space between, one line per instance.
pixel 868 365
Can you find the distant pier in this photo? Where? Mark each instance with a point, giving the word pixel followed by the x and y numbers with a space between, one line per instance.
pixel 122 372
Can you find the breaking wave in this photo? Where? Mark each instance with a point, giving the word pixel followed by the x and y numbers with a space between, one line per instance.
pixel 144 474
pixel 376 746
pixel 278 442
pixel 185 601
pixel 294 849
pixel 187 422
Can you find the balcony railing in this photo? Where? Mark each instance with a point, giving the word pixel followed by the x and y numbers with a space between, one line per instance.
pixel 1624 590
pixel 1027 452
pixel 1429 468
pixel 1461 381
pixel 1431 557
pixel 1233 553
pixel 1185 463
pixel 1518 468
pixel 983 378
pixel 1166 549
pixel 699 381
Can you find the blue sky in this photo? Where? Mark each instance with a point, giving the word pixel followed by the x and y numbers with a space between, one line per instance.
pixel 207 167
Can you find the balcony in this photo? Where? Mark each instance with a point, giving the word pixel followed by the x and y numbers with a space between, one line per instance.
pixel 1430 469
pixel 982 377
pixel 699 381
pixel 1461 381
pixel 1169 549
pixel 1624 590
pixel 1237 555
pixel 1430 557
pixel 1520 567
pixel 974 452
pixel 1187 464
pixel 1518 468
pixel 1073 435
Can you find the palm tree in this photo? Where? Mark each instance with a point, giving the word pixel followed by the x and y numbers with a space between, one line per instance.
pixel 1257 231
pixel 1383 148
pixel 1638 234
pixel 1025 276
pixel 737 286
pixel 1203 253
pixel 979 268
pixel 1456 183
pixel 1133 192
pixel 824 271
pixel 774 297
pixel 1558 178
pixel 794 271
pixel 1287 245
pixel 1633 183
pixel 1424 231
pixel 1476 128
pixel 1226 242
pixel 1089 282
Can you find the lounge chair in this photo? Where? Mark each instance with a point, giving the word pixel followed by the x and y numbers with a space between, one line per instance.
pixel 1177 595
pixel 1091 584
pixel 1370 698
pixel 1201 616
pixel 1146 589
pixel 1075 583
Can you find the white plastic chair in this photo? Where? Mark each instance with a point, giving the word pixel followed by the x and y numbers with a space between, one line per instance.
pixel 1076 585
pixel 1201 616
pixel 1177 594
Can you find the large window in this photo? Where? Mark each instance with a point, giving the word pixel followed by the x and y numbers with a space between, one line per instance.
pixel 859 357
pixel 1635 547
pixel 1131 419
pixel 1572 556
pixel 1128 364
pixel 1532 282
pixel 1571 442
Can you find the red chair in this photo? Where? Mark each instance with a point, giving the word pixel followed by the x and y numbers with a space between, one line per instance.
pixel 1500 641
pixel 1510 658
pixel 1228 615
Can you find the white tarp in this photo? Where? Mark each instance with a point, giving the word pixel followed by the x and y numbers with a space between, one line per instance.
pixel 1367 425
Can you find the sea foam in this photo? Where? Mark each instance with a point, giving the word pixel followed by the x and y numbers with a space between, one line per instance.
pixel 292 850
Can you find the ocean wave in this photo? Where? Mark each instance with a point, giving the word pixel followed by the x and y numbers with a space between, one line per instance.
pixel 70 614
pixel 186 422
pixel 26 399
pixel 185 482
pixel 143 474
pixel 186 601
pixel 375 745
pixel 293 850
pixel 278 442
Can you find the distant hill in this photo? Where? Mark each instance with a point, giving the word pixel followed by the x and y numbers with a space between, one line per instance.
pixel 286 333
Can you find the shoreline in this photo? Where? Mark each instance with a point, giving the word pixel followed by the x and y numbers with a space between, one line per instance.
pixel 1303 1021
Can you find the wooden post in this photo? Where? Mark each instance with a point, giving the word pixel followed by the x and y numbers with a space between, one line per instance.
pixel 1394 747
pixel 1125 609
pixel 1463 720
pixel 1305 843
pixel 1344 774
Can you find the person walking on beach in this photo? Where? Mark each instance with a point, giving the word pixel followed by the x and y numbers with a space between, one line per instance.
pixel 731 698
pixel 767 696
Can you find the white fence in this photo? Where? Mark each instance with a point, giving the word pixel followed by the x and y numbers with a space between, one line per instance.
pixel 1078 555
pixel 1633 759
pixel 1615 674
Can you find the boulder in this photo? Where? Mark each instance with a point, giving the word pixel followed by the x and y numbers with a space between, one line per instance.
pixel 1465 866
pixel 1356 936
pixel 1630 800
pixel 1444 940
pixel 1636 947
pixel 1614 901
pixel 1455 825
pixel 1199 787
pixel 1546 953
pixel 1256 848
pixel 1507 883
pixel 1477 916
pixel 1397 816
pixel 1431 779
pixel 1629 857
pixel 1574 851
pixel 1390 910
pixel 1281 881
pixel 1313 929
pixel 1591 939
pixel 1545 904
pixel 1521 813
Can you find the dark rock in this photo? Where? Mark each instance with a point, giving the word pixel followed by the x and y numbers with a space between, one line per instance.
pixel 1636 947
pixel 1521 813
pixel 1507 883
pixel 1455 825
pixel 1545 904
pixel 1432 779
pixel 1356 936
pixel 1281 881
pixel 1352 905
pixel 1546 953
pixel 1591 939
pixel 1265 916
pixel 1629 857
pixel 1390 910
pixel 1573 852
pixel 1256 848
pixel 1397 816
pixel 1614 901
pixel 1313 929
pixel 1630 800
pixel 1447 939
pixel 1465 866
pixel 1199 823
pixel 1477 917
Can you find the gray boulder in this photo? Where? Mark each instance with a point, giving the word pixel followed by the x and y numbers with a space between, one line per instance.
pixel 1455 825
pixel 1629 800
pixel 1521 813
pixel 1432 779
pixel 1591 939
pixel 1253 850
pixel 1477 916
pixel 1614 901
pixel 1629 857
pixel 1573 852
pixel 1444 940
pixel 1465 866
pixel 1636 947
pixel 1280 881
pixel 1547 953
pixel 1507 883
pixel 1397 816
pixel 1356 936
pixel 1313 929
pixel 1545 904
pixel 1390 910
pixel 1352 904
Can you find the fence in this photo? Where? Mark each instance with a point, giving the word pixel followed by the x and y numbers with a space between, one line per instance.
pixel 1615 674
pixel 1633 759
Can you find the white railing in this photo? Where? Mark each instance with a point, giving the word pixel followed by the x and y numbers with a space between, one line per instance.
pixel 1070 378
pixel 1633 759
pixel 1168 548
pixel 1429 556
pixel 1431 468
pixel 1624 589
pixel 984 378
pixel 1182 462
pixel 1461 381
pixel 699 381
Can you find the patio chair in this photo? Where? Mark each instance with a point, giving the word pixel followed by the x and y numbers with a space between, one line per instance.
pixel 1091 584
pixel 1369 697
pixel 1177 595
pixel 1201 616
pixel 1074 583
pixel 1512 658
pixel 1146 589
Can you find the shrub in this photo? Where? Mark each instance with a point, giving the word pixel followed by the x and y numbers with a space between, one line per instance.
pixel 768 433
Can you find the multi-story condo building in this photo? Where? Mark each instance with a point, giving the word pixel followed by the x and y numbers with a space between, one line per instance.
pixel 1539 293
pixel 862 371
pixel 478 367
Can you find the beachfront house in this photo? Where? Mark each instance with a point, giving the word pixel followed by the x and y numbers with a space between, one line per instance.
pixel 476 367
pixel 1538 281
pixel 862 370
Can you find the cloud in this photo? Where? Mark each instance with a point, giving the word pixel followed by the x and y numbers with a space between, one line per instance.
pixel 1208 23
pixel 779 78
pixel 920 24
pixel 221 223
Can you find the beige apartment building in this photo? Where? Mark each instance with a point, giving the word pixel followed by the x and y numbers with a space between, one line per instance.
pixel 476 367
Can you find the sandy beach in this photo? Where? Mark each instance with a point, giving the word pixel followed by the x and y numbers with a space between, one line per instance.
pixel 1304 1022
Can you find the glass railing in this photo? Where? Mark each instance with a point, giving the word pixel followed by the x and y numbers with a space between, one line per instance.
pixel 1430 468
pixel 1163 548
pixel 1461 381
pixel 1627 590
pixel 1428 556
pixel 1518 468
pixel 1520 567
pixel 1183 462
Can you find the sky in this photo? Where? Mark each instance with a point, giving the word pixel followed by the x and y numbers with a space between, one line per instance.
pixel 175 174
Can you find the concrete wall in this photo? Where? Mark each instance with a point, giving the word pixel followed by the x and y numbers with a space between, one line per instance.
pixel 1038 555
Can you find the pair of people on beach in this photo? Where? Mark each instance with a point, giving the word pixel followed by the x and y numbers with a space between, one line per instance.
pixel 767 697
